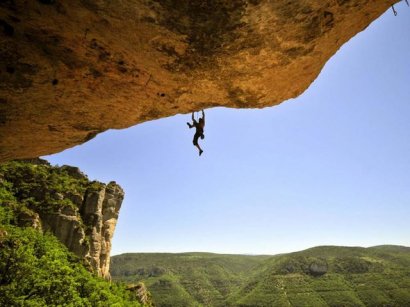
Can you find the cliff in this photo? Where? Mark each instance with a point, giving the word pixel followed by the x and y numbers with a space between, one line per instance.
pixel 72 69
pixel 61 200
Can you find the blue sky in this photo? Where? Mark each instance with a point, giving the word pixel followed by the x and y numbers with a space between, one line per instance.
pixel 331 167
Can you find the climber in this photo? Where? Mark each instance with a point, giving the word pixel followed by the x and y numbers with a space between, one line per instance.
pixel 199 133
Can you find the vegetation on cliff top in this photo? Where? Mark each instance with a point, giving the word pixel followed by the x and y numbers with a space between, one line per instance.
pixel 40 186
pixel 321 276
pixel 36 269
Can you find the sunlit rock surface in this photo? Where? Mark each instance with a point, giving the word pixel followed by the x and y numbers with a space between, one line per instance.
pixel 88 232
pixel 81 213
pixel 72 69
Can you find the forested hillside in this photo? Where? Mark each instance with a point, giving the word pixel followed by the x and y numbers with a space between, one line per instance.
pixel 36 269
pixel 321 276
pixel 186 279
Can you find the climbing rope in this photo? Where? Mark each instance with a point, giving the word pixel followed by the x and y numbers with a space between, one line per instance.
pixel 407 1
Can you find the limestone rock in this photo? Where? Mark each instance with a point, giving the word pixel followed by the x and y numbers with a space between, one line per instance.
pixel 67 227
pixel 100 213
pixel 74 172
pixel 141 294
pixel 88 232
pixel 318 267
pixel 3 234
pixel 82 218
pixel 29 219
pixel 72 69
pixel 110 210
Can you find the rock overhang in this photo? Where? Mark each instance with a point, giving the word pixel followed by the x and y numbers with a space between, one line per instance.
pixel 72 69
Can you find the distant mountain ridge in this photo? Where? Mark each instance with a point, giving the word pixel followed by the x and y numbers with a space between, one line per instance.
pixel 318 276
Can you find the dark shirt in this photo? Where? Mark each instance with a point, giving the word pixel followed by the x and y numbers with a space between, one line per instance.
pixel 199 128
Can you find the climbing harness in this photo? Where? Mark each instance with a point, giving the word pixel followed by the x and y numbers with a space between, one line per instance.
pixel 394 11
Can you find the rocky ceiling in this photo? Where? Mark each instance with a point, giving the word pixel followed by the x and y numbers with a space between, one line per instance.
pixel 72 69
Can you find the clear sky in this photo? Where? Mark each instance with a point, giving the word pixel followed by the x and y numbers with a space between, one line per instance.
pixel 330 167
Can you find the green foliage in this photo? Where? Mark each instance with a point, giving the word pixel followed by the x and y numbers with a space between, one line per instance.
pixel 377 276
pixel 190 279
pixel 39 186
pixel 6 194
pixel 38 271
pixel 6 215
pixel 35 268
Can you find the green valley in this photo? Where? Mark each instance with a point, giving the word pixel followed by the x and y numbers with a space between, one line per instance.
pixel 320 276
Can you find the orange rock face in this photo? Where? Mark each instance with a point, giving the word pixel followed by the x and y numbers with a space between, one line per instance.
pixel 72 69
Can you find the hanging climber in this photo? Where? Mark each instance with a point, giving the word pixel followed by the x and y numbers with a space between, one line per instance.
pixel 199 133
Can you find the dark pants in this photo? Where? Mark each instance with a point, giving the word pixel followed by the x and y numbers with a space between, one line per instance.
pixel 196 137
